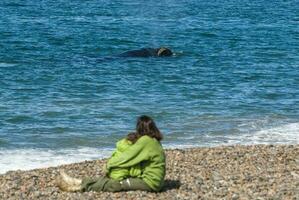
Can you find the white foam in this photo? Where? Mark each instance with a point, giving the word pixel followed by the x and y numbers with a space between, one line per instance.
pixel 26 159
pixel 180 146
pixel 284 134
pixel 280 134
pixel 5 65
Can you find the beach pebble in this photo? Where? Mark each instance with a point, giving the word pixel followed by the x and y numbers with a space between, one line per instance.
pixel 225 172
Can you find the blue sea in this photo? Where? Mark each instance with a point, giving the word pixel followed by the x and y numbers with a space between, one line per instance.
pixel 234 78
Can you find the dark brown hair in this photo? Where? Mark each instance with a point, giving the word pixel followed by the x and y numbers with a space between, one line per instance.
pixel 145 126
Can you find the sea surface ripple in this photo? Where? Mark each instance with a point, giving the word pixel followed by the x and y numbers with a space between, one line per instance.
pixel 234 78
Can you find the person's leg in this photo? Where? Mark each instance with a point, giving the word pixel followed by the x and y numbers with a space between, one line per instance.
pixel 134 184
pixel 109 185
pixel 100 184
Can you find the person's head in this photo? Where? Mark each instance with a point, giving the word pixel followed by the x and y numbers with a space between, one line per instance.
pixel 145 126
pixel 163 51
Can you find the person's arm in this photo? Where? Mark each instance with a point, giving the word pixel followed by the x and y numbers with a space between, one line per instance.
pixel 131 156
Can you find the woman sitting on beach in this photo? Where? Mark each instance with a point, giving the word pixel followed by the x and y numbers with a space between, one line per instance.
pixel 138 163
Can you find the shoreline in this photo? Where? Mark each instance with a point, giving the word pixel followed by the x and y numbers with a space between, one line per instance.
pixel 231 172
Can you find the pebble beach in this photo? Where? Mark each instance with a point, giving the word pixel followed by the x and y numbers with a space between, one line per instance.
pixel 225 172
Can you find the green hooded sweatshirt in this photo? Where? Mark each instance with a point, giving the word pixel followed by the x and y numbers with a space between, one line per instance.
pixel 122 173
pixel 149 153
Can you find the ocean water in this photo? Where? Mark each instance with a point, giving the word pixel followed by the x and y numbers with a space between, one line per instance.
pixel 234 78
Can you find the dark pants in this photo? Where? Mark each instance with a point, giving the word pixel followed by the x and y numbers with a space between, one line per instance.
pixel 109 185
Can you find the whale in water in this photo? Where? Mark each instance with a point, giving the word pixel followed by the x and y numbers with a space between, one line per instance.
pixel 147 52
pixel 142 53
